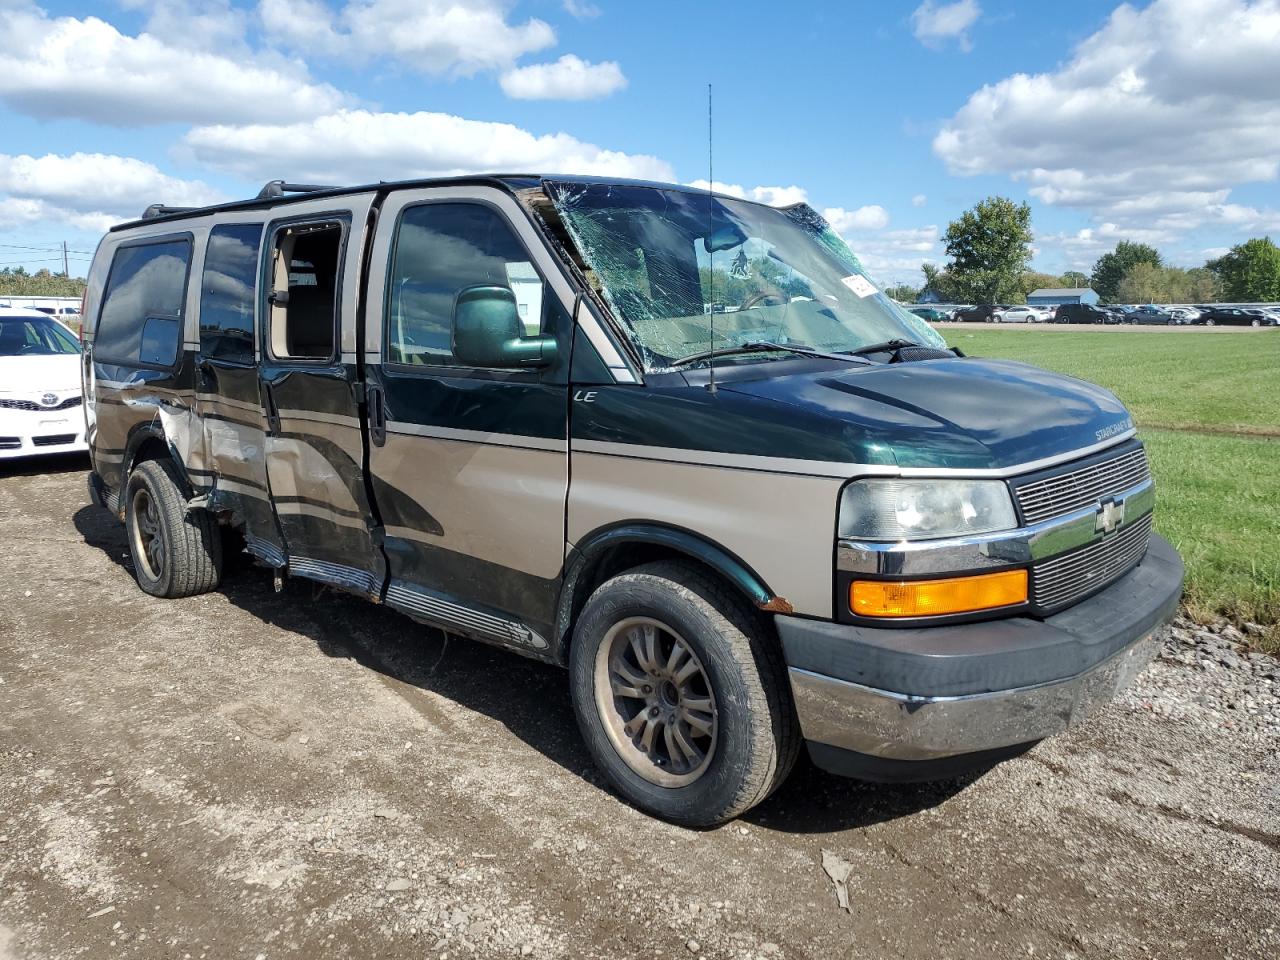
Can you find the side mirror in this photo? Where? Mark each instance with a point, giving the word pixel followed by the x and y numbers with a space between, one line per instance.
pixel 487 331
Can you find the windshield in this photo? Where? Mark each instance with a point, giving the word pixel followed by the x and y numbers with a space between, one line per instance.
pixel 32 337
pixel 677 265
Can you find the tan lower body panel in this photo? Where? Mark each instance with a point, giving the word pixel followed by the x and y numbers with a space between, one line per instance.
pixel 501 504
pixel 781 525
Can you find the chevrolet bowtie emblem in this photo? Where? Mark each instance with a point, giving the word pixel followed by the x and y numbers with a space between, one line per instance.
pixel 1109 516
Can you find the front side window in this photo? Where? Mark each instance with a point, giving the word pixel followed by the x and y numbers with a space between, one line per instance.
pixel 30 337
pixel 227 292
pixel 141 318
pixel 686 273
pixel 440 250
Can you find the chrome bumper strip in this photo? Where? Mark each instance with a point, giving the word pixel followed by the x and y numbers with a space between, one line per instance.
pixel 881 723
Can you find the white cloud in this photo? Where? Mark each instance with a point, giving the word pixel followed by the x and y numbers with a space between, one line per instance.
pixel 87 69
pixel 90 191
pixel 894 256
pixel 919 200
pixel 934 23
pixel 774 196
pixel 580 10
pixel 194 24
pixel 569 78
pixel 358 146
pixel 1148 125
pixel 871 217
pixel 457 37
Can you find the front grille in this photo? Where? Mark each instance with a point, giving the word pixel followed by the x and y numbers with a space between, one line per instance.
pixel 1067 578
pixel 54 439
pixel 1083 487
pixel 10 443
pixel 66 404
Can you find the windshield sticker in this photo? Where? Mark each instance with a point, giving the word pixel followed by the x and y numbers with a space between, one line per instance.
pixel 859 285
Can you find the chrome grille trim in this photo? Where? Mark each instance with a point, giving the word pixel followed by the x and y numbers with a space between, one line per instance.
pixel 1067 578
pixel 1066 492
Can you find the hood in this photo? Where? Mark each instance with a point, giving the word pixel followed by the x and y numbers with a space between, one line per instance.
pixel 965 413
pixel 56 373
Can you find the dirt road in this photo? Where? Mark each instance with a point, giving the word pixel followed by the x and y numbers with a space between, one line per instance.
pixel 242 775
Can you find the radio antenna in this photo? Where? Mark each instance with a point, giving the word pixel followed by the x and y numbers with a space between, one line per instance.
pixel 711 253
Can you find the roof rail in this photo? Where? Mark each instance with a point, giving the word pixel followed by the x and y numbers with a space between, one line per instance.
pixel 278 188
pixel 160 210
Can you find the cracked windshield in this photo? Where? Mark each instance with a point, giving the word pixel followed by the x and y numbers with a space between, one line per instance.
pixel 677 265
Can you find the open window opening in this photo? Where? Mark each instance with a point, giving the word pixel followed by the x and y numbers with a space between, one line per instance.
pixel 305 264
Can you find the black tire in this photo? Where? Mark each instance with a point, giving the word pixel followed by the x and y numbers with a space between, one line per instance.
pixel 757 734
pixel 1211 322
pixel 176 552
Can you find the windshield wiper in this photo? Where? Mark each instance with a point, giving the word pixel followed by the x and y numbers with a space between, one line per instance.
pixel 762 346
pixel 896 344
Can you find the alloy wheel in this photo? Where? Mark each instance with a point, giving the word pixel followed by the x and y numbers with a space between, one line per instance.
pixel 655 699
pixel 148 541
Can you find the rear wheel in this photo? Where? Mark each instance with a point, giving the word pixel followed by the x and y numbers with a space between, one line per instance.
pixel 681 695
pixel 1211 322
pixel 176 552
pixel 1255 322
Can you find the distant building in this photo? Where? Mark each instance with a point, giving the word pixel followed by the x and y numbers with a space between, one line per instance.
pixel 1052 296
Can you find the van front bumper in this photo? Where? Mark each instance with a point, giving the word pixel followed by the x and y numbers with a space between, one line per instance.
pixel 890 703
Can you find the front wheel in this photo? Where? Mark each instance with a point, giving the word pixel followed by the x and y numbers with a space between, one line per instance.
pixel 1255 322
pixel 1211 323
pixel 681 695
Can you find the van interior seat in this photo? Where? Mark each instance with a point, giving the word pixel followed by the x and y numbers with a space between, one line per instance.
pixel 310 325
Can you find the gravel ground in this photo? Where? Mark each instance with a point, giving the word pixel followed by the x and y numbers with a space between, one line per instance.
pixel 245 775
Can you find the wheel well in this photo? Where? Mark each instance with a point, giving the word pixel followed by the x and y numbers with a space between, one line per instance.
pixel 620 557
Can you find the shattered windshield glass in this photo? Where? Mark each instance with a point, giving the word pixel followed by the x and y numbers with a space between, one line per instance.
pixel 676 265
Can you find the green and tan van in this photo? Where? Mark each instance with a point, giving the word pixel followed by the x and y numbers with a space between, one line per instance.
pixel 677 442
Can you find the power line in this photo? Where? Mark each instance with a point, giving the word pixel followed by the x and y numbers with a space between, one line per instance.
pixel 57 249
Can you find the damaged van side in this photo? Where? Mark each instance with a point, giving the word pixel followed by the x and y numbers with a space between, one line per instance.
pixel 676 442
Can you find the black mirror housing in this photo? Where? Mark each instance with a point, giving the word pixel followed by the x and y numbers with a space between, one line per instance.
pixel 487 331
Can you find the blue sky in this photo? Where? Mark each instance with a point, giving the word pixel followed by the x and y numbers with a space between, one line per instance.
pixel 1151 121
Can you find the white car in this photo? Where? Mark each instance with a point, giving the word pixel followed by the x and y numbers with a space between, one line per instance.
pixel 41 404
pixel 1021 315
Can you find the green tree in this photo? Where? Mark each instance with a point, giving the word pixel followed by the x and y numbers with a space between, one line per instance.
pixel 989 247
pixel 1074 278
pixel 938 281
pixel 16 282
pixel 903 293
pixel 1031 280
pixel 1143 283
pixel 1250 272
pixel 1202 286
pixel 1111 267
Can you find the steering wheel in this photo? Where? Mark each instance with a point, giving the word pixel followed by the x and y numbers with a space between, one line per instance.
pixel 761 297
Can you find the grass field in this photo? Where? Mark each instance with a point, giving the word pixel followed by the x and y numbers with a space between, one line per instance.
pixel 1208 407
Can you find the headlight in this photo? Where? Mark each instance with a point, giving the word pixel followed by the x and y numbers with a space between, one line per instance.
pixel 924 509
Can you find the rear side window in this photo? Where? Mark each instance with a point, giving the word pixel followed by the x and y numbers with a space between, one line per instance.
pixel 141 318
pixel 227 292
pixel 440 249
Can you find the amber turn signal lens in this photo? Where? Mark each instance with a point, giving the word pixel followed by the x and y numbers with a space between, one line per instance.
pixel 931 598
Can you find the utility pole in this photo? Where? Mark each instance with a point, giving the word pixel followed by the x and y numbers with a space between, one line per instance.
pixel 66 270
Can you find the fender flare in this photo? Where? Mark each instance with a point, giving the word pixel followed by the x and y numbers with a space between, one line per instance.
pixel 141 434
pixel 724 562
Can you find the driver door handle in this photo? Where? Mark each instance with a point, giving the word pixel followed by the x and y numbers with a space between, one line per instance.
pixel 377 416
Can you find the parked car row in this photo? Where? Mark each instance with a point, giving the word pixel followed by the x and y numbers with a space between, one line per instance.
pixel 1207 315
